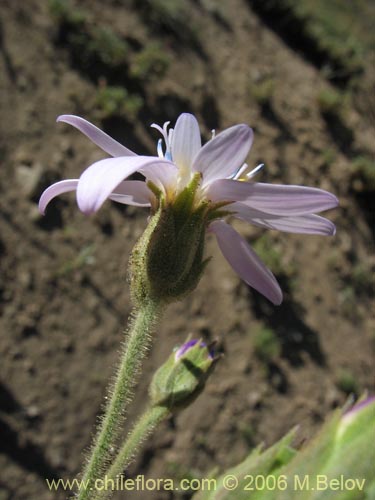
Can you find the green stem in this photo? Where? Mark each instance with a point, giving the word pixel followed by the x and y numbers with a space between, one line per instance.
pixel 134 350
pixel 141 430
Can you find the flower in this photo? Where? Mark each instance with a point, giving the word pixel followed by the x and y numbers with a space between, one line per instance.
pixel 222 183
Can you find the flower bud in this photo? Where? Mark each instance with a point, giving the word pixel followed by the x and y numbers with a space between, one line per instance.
pixel 183 376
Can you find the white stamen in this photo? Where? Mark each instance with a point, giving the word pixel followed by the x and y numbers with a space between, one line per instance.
pixel 160 148
pixel 167 136
pixel 158 128
pixel 170 135
pixel 254 171
pixel 242 175
pixel 213 132
pixel 240 171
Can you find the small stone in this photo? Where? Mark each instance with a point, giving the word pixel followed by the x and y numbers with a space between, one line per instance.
pixel 25 279
pixel 255 398
pixel 22 157
pixel 22 83
pixel 67 148
pixel 297 337
pixel 17 354
pixel 32 412
pixel 56 458
pixel 34 214
pixel 68 345
pixel 29 179
pixel 333 397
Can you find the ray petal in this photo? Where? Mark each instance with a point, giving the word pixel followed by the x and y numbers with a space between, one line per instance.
pixel 99 180
pixel 97 136
pixel 301 224
pixel 224 154
pixel 186 140
pixel 55 190
pixel 134 193
pixel 276 199
pixel 245 262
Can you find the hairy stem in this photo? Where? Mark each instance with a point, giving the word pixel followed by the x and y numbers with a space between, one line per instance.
pixel 141 430
pixel 136 345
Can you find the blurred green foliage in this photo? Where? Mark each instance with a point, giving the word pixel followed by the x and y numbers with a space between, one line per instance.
pixel 248 432
pixel 336 33
pixel 363 173
pixel 262 92
pixel 116 101
pixel 166 13
pixel 96 49
pixel 270 254
pixel 266 344
pixel 340 449
pixel 328 156
pixel 362 278
pixel 347 382
pixel 170 17
pixel 105 58
pixel 349 303
pixel 63 12
pixel 105 45
pixel 151 62
pixel 86 257
pixel 330 101
pixel 336 27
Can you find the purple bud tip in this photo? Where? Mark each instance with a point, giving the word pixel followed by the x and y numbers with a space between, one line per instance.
pixel 188 345
pixel 359 406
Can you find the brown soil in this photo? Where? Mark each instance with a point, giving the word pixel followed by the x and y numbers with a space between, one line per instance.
pixel 62 319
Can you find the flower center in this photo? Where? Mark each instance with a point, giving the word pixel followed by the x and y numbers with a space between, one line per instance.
pixel 185 174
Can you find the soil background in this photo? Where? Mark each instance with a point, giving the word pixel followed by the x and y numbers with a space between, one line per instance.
pixel 64 299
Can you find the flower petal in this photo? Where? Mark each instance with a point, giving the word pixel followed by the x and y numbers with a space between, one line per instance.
pixel 245 262
pixel 303 224
pixel 186 140
pixel 134 193
pixel 163 175
pixel 54 190
pixel 273 199
pixel 99 180
pixel 97 136
pixel 224 154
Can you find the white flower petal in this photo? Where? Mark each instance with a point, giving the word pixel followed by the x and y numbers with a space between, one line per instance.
pixel 163 175
pixel 275 199
pixel 99 180
pixel 224 154
pixel 134 193
pixel 97 136
pixel 186 140
pixel 245 262
pixel 54 190
pixel 302 224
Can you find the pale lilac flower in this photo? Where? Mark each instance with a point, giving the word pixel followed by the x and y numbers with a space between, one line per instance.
pixel 224 181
